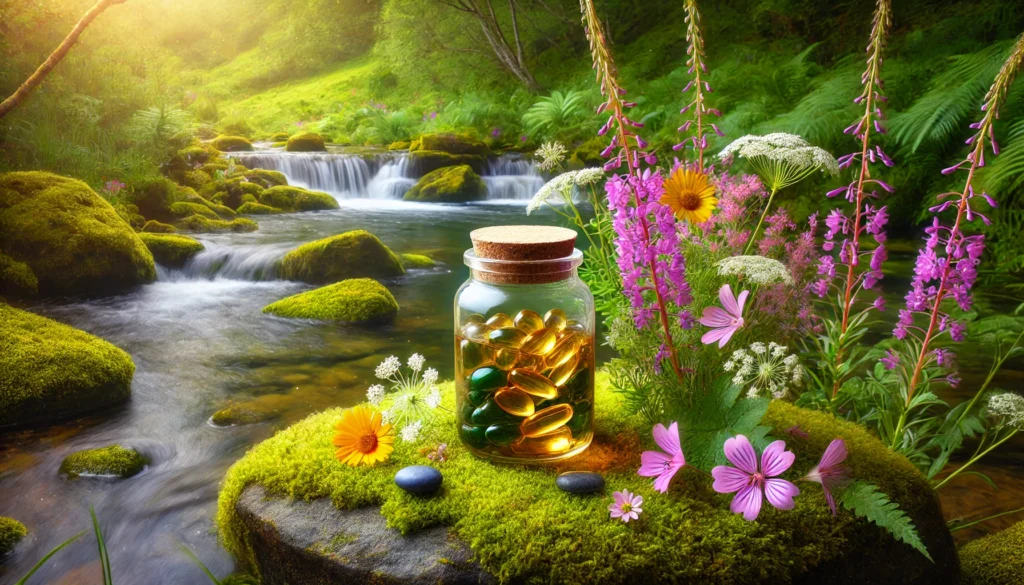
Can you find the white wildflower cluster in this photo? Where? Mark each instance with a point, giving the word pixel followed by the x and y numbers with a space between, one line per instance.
pixel 562 187
pixel 789 149
pixel 765 368
pixel 1009 407
pixel 551 155
pixel 411 398
pixel 757 269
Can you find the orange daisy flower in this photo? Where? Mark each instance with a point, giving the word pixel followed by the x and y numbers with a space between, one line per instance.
pixel 363 438
pixel 689 196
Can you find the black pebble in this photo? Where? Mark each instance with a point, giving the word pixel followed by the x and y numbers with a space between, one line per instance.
pixel 418 479
pixel 580 482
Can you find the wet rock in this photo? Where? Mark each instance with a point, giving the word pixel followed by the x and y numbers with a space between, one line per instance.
pixel 357 300
pixel 111 461
pixel 11 532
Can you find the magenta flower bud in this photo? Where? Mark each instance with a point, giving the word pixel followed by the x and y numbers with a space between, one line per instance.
pixel 995 146
pixel 640 142
pixel 603 130
pixel 629 104
pixel 952 169
pixel 685 109
pixel 858 100
pixel 884 185
pixel 688 86
pixel 707 86
pixel 975 126
pixel 678 147
pixel 970 140
pixel 651 159
pixel 885 158
pixel 871 155
pixel 879 128
pixel 704 141
pixel 608 150
pixel 601 108
pixel 636 124
pixel 835 192
pixel 685 126
pixel 717 131
pixel 991 202
pixel 716 112
pixel 703 67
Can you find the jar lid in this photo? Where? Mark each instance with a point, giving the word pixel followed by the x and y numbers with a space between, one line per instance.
pixel 523 254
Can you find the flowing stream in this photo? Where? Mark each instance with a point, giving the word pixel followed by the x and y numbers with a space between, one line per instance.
pixel 200 342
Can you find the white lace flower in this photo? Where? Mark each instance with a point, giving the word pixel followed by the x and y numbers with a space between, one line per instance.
pixel 768 369
pixel 551 155
pixel 588 176
pixel 433 399
pixel 757 269
pixel 430 376
pixel 563 186
pixel 388 368
pixel 1009 407
pixel 411 432
pixel 781 159
pixel 416 362
pixel 375 394
pixel 386 416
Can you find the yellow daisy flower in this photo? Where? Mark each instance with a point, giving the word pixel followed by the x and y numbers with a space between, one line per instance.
pixel 689 195
pixel 363 438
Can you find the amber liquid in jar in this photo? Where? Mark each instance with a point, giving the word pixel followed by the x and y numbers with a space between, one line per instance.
pixel 525 386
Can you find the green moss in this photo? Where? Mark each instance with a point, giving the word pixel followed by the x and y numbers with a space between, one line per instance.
pixel 410 261
pixel 195 154
pixel 156 227
pixel 238 415
pixel 461 143
pixel 280 137
pixel 263 177
pixel 239 579
pixel 17 279
pixel 448 185
pixel 153 197
pixel 353 254
pixel 11 533
pixel 113 460
pixel 522 528
pixel 198 223
pixel 184 209
pixel 212 168
pixel 50 371
pixel 399 145
pixel 258 209
pixel 172 250
pixel 297 199
pixel 231 143
pixel 358 300
pixel 229 192
pixel 195 179
pixel 306 142
pixel 996 559
pixel 71 238
pixel 223 211
pixel 425 161
pixel 588 154
pixel 129 213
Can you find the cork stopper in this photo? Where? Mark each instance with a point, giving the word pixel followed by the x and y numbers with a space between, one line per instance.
pixel 523 254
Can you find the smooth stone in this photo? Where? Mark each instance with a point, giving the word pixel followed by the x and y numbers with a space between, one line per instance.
pixel 580 482
pixel 418 479
pixel 474 436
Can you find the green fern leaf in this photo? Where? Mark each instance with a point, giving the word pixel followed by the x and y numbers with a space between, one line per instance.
pixel 865 500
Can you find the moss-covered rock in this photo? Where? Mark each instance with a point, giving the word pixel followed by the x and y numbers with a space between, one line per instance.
pixel 230 192
pixel 172 250
pixel 297 199
pixel 234 415
pixel 451 143
pixel 195 154
pixel 195 178
pixel 996 559
pixel 354 254
pixel 588 154
pixel 251 208
pixel 16 279
pixel 263 177
pixel 306 142
pixel 113 460
pixel 183 209
pixel 358 300
pixel 280 137
pixel 11 533
pixel 129 213
pixel 231 144
pixel 50 371
pixel 425 161
pixel 198 223
pixel 399 145
pixel 153 198
pixel 155 227
pixel 448 185
pixel 71 238
pixel 523 529
pixel 414 261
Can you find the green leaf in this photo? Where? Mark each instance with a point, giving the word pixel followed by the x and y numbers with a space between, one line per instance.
pixel 43 560
pixel 865 500
pixel 719 415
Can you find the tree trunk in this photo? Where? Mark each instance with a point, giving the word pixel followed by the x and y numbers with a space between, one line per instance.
pixel 58 54
pixel 508 57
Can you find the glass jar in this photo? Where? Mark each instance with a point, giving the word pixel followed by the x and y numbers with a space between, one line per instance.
pixel 524 346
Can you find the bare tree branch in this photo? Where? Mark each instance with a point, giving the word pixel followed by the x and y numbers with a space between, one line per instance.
pixel 58 54
pixel 515 32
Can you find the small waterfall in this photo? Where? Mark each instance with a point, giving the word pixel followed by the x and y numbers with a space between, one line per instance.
pixel 512 176
pixel 251 263
pixel 342 175
pixel 392 180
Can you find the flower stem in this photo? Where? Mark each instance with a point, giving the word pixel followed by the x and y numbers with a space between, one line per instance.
pixel 975 459
pixel 985 519
pixel 764 213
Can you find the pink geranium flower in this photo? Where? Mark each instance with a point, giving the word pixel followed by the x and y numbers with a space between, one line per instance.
pixel 830 472
pixel 663 466
pixel 626 506
pixel 751 482
pixel 726 320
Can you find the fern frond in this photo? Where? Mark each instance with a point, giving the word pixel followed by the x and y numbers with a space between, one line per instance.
pixel 865 500
pixel 1006 173
pixel 823 113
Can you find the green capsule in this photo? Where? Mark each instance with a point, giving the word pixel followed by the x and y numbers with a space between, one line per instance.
pixel 474 436
pixel 502 435
pixel 506 337
pixel 487 379
pixel 477 397
pixel 500 320
pixel 467 411
pixel 489 413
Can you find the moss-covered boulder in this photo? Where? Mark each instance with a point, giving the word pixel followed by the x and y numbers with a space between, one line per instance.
pixel 153 198
pixel 451 143
pixel 996 559
pixel 523 529
pixel 172 250
pixel 297 199
pixel 182 209
pixel 230 192
pixel 16 279
pixel 198 223
pixel 231 144
pixel 71 238
pixel 253 208
pixel 448 185
pixel 155 227
pixel 306 142
pixel 279 137
pixel 112 461
pixel 354 254
pixel 416 261
pixel 358 300
pixel 235 415
pixel 425 161
pixel 50 371
pixel 11 533
pixel 263 177
pixel 399 145
pixel 588 153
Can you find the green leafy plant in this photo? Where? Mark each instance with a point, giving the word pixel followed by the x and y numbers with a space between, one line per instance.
pixel 867 501
pixel 552 112
pixel 718 415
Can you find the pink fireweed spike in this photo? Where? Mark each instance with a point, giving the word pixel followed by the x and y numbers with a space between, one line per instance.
pixel 724 321
pixel 830 472
pixel 663 466
pixel 626 506
pixel 752 483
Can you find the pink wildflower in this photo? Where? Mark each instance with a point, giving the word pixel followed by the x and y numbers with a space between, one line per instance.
pixel 724 321
pixel 752 483
pixel 663 466
pixel 830 472
pixel 626 506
